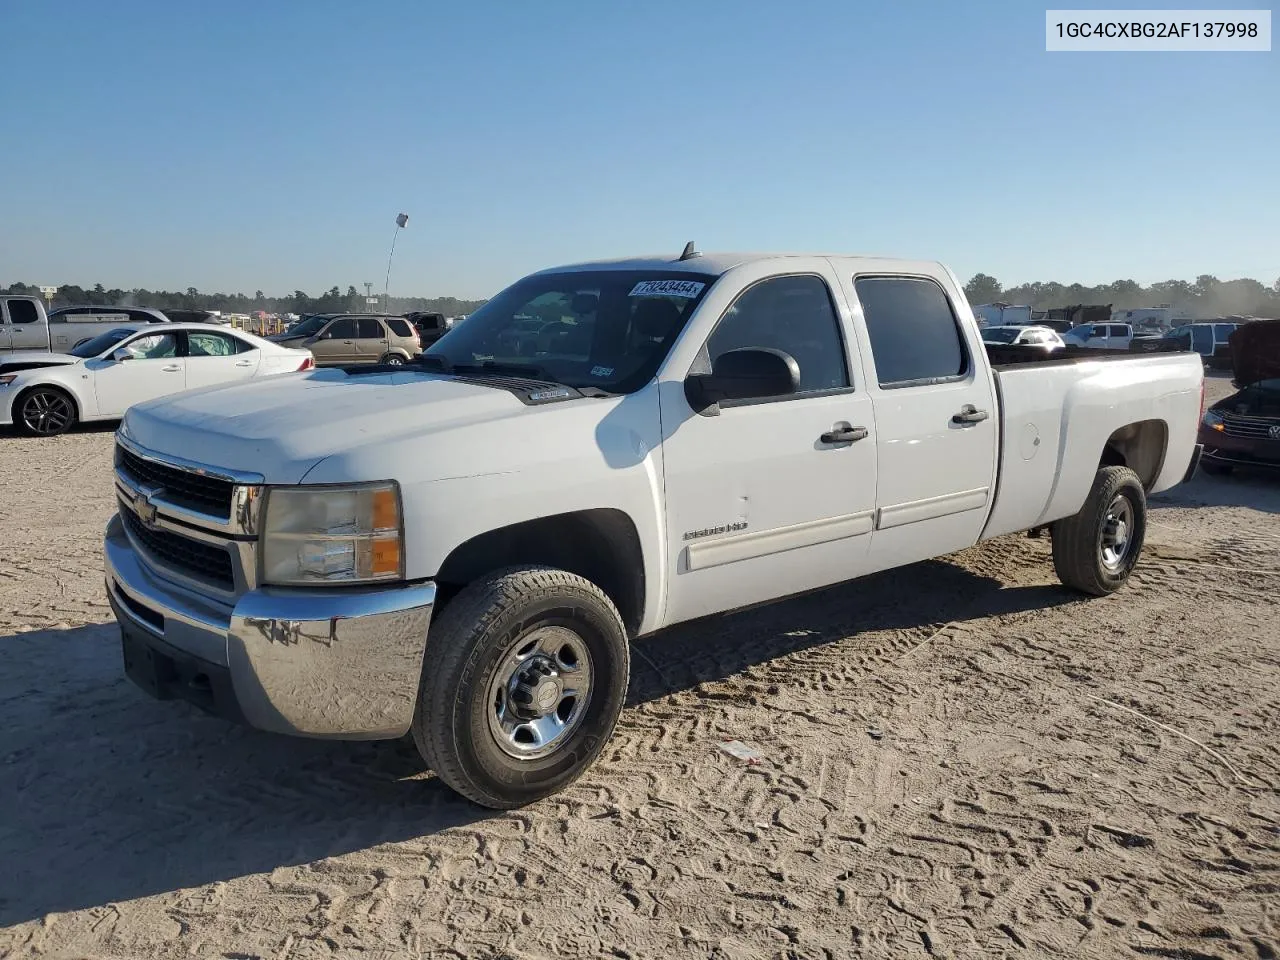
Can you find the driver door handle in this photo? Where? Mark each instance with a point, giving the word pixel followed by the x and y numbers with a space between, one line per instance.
pixel 174 369
pixel 244 363
pixel 969 414
pixel 844 434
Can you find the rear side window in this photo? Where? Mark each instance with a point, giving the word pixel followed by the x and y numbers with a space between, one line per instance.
pixel 915 337
pixel 23 311
pixel 400 327
pixel 371 329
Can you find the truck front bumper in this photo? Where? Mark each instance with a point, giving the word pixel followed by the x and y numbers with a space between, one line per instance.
pixel 340 664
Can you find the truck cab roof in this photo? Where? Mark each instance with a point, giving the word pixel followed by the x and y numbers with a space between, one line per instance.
pixel 716 264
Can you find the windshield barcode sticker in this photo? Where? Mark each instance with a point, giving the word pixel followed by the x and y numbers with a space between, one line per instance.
pixel 688 289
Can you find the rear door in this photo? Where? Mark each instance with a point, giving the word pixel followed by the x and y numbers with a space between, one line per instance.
pixel 27 331
pixel 935 413
pixel 215 356
pixel 371 340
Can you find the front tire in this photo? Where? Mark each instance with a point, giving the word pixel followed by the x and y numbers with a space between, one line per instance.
pixel 524 677
pixel 44 412
pixel 1096 550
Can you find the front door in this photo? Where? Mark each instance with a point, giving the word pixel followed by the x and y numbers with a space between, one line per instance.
pixel 936 419
pixel 770 497
pixel 154 369
pixel 336 343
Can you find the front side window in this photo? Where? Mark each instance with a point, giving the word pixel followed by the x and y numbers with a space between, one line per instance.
pixel 791 314
pixel 155 346
pixel 914 335
pixel 213 344
pixel 608 329
pixel 344 329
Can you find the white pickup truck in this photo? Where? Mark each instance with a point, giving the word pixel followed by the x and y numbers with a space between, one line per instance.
pixel 463 547
pixel 24 325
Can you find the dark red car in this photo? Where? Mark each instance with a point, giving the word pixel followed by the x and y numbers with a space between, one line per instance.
pixel 1244 428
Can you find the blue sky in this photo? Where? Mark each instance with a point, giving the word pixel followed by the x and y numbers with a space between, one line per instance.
pixel 269 145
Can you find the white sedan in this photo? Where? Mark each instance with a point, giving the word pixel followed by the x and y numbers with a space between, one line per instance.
pixel 45 394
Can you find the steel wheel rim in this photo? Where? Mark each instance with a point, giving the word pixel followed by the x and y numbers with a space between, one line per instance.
pixel 1117 533
pixel 46 412
pixel 557 699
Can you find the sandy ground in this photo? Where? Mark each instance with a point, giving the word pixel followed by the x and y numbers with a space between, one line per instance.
pixel 959 759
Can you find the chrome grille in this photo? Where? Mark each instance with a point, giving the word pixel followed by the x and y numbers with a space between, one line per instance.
pixel 192 557
pixel 185 488
pixel 1251 428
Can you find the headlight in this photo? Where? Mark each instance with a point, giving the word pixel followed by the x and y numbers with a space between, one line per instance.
pixel 1212 421
pixel 7 379
pixel 349 534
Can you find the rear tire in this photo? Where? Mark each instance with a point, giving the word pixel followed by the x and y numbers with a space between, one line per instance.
pixel 498 717
pixel 1096 550
pixel 44 412
pixel 392 360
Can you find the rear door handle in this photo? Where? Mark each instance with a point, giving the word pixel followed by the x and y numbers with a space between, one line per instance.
pixel 969 414
pixel 844 434
pixel 170 369
pixel 244 363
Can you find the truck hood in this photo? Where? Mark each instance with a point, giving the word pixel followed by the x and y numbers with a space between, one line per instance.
pixel 1255 352
pixel 282 426
pixel 34 359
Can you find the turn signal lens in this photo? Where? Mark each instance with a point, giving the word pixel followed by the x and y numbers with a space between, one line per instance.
pixel 386 509
pixel 386 558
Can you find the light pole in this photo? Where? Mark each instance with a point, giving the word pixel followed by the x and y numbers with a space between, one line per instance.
pixel 368 296
pixel 401 220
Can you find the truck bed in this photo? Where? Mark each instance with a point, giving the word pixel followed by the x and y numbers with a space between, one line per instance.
pixel 1004 355
pixel 1058 413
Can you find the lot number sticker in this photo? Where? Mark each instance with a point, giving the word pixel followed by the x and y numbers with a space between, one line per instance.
pixel 688 289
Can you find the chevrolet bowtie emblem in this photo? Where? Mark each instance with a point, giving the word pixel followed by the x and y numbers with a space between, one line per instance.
pixel 145 509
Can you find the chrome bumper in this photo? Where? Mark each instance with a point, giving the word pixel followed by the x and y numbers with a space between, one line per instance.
pixel 318 663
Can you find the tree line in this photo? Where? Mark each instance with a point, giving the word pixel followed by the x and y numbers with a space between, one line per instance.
pixel 1204 298
pixel 332 301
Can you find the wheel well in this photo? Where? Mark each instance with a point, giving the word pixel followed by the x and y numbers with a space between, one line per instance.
pixel 1139 446
pixel 75 404
pixel 599 545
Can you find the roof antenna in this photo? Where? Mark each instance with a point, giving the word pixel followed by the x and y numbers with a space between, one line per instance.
pixel 690 251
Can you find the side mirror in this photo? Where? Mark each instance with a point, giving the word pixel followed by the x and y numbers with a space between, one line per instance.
pixel 121 354
pixel 747 374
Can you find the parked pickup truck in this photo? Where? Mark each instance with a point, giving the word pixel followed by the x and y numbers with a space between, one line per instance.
pixel 463 546
pixel 24 325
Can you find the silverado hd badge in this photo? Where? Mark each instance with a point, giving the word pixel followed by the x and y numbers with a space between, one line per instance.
pixel 712 531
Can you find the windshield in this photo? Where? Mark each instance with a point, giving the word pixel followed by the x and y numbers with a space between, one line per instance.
pixel 608 329
pixel 1000 335
pixel 101 343
pixel 308 327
